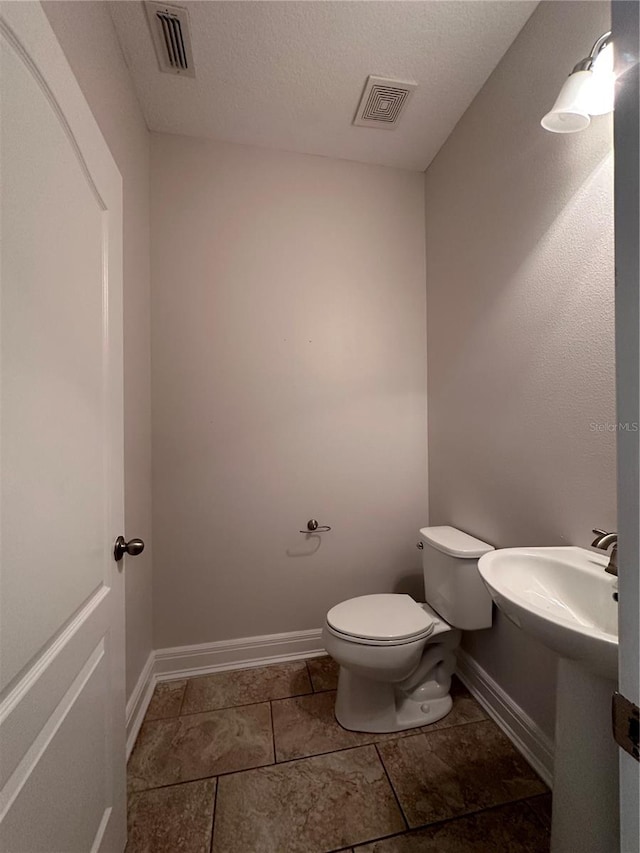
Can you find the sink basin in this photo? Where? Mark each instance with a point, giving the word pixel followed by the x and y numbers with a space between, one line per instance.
pixel 561 596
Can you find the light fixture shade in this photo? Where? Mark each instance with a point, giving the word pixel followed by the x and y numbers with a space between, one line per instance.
pixel 603 84
pixel 570 112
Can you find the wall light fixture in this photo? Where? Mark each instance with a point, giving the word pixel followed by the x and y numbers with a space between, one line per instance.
pixel 588 91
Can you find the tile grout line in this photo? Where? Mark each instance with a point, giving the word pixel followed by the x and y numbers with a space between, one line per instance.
pixel 300 757
pixel 403 734
pixel 412 830
pixel 227 707
pixel 417 730
pixel 273 733
pixel 215 809
pixel 313 689
pixel 184 693
pixel 370 841
pixel 395 793
pixel 523 799
pixel 538 818
pixel 250 769
pixel 375 840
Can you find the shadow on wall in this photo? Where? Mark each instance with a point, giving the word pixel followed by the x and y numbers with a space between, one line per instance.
pixel 410 584
pixel 311 544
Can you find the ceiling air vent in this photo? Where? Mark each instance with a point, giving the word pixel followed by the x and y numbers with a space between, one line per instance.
pixel 171 38
pixel 382 102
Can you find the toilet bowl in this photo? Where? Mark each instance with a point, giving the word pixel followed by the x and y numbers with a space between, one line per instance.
pixel 396 680
pixel 397 656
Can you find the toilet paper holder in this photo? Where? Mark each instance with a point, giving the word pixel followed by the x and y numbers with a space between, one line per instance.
pixel 314 527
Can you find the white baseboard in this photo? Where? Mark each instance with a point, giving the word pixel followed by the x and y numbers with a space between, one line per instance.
pixel 187 661
pixel 205 658
pixel 139 701
pixel 526 736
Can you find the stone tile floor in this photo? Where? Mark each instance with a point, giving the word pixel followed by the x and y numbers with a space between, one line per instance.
pixel 253 761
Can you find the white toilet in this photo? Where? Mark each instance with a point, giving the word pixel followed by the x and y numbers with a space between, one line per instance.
pixel 396 656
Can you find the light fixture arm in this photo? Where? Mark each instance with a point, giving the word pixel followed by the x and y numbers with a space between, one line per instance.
pixel 588 62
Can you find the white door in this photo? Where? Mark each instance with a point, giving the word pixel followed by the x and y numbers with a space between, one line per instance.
pixel 626 29
pixel 62 728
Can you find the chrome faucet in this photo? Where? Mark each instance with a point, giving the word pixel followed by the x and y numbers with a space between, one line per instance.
pixel 603 540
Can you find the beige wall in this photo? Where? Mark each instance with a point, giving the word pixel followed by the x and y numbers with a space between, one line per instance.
pixel 520 292
pixel 288 342
pixel 89 41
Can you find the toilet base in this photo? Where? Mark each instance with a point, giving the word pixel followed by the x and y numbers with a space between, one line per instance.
pixel 365 705
pixel 386 715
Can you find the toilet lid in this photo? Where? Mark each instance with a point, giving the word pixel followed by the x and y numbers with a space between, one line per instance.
pixel 387 616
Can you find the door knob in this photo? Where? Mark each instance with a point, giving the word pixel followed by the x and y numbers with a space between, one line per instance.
pixel 133 547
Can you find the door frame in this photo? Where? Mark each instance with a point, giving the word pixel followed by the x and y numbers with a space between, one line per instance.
pixel 626 29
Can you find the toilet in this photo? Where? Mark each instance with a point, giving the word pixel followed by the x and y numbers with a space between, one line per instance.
pixel 396 655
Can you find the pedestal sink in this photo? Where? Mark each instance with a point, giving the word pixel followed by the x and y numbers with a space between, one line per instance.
pixel 564 598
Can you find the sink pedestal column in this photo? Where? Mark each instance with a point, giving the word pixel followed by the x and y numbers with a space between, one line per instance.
pixel 585 790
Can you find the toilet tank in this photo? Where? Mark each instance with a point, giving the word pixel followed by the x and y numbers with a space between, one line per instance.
pixel 452 582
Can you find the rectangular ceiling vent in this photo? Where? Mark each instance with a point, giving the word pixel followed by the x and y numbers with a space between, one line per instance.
pixel 171 38
pixel 383 102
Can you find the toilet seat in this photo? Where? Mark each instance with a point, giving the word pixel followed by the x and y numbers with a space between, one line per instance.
pixel 380 620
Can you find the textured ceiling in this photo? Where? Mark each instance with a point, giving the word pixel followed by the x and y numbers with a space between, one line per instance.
pixel 289 75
